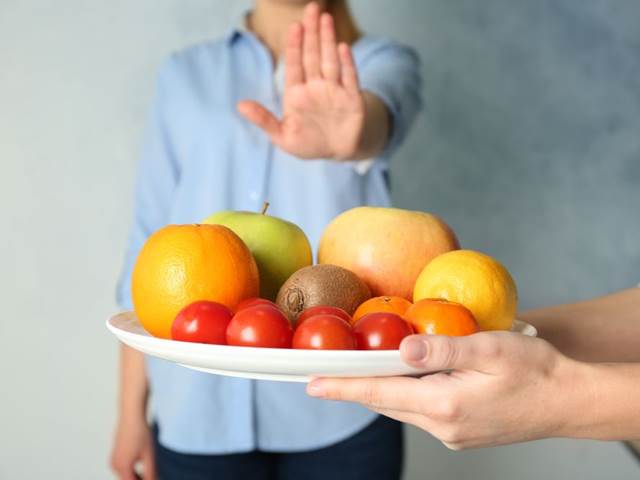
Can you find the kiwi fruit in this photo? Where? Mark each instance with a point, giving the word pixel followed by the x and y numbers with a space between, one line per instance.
pixel 321 285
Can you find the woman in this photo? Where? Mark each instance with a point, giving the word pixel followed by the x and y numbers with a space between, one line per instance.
pixel 504 387
pixel 331 126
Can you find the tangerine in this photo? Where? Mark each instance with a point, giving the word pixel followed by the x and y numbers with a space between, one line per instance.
pixel 390 304
pixel 441 317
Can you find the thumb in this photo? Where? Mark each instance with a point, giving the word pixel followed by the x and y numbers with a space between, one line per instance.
pixel 127 474
pixel 148 465
pixel 260 116
pixel 438 352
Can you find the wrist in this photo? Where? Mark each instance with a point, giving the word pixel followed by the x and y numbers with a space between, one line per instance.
pixel 129 418
pixel 615 395
pixel 602 401
pixel 576 394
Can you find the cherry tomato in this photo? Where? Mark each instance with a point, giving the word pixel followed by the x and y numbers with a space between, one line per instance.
pixel 323 309
pixel 324 332
pixel 253 301
pixel 381 331
pixel 260 326
pixel 202 322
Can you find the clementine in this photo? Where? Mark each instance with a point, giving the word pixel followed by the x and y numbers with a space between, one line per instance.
pixel 181 264
pixel 391 304
pixel 441 317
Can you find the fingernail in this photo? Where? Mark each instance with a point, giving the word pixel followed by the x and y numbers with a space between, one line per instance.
pixel 314 389
pixel 414 350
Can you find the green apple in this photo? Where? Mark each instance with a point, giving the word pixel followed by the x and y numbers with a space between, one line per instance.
pixel 279 247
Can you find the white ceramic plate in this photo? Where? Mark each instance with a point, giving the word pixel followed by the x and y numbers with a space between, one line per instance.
pixel 268 363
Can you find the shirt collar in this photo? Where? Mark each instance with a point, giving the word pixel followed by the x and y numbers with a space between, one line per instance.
pixel 239 27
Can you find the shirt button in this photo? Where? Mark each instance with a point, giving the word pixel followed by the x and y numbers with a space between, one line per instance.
pixel 253 196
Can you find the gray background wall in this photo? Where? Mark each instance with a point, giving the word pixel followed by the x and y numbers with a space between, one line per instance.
pixel 529 147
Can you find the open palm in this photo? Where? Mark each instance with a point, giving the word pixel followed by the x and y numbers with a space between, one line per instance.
pixel 323 107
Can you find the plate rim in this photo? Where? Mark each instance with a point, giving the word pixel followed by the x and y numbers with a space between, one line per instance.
pixel 127 329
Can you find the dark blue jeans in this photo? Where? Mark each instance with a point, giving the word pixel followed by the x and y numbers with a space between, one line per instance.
pixel 374 453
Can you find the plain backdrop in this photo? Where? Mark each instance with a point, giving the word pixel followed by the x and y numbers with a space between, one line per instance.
pixel 529 148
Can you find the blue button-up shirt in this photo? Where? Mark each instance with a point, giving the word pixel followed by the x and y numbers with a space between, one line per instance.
pixel 200 156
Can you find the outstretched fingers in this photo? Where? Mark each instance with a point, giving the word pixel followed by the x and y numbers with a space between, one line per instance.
pixel 312 52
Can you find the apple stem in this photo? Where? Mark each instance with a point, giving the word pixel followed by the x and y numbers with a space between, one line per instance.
pixel 265 207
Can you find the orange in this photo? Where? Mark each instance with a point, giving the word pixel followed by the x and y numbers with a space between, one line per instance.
pixel 477 281
pixel 397 305
pixel 180 264
pixel 440 317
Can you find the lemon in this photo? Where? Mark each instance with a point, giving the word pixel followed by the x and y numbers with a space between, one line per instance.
pixel 477 281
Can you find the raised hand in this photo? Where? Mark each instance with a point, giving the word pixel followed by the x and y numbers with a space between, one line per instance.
pixel 323 108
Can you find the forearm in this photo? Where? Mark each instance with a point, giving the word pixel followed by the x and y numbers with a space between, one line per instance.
pixel 603 402
pixel 605 329
pixel 376 128
pixel 133 384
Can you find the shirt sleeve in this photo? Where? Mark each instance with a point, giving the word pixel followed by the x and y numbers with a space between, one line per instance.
pixel 391 71
pixel 156 179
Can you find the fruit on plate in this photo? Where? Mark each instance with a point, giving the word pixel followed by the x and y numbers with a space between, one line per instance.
pixel 321 285
pixel 180 264
pixel 397 305
pixel 324 332
pixel 385 247
pixel 260 326
pixel 477 281
pixel 202 322
pixel 279 247
pixel 441 317
pixel 252 302
pixel 381 331
pixel 323 310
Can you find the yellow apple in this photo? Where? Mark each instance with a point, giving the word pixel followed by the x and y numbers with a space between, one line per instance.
pixel 386 247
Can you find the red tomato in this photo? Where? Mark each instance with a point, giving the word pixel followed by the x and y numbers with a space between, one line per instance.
pixel 323 310
pixel 381 331
pixel 260 326
pixel 202 322
pixel 253 301
pixel 324 332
